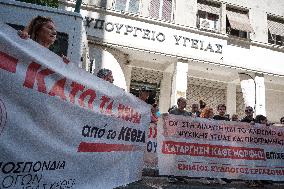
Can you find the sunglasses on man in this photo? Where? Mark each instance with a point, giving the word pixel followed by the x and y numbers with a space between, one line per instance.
pixel 249 110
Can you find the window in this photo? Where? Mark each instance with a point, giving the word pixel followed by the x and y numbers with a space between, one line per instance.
pixel 154 88
pixel 207 21
pixel 96 3
pixel 50 3
pixel 275 39
pixel 237 23
pixel 127 6
pixel 275 31
pixel 238 33
pixel 208 15
pixel 161 9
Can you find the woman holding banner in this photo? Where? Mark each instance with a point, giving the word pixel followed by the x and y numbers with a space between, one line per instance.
pixel 42 30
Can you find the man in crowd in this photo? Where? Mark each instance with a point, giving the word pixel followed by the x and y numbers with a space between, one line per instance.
pixel 144 94
pixel 105 74
pixel 221 108
pixel 249 119
pixel 261 119
pixel 282 120
pixel 249 115
pixel 195 110
pixel 235 117
pixel 180 110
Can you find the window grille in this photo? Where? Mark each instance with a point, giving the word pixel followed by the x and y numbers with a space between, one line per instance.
pixel 161 9
pixel 275 31
pixel 208 15
pixel 127 6
pixel 237 23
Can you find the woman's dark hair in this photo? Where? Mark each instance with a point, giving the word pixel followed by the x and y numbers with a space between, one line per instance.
pixel 103 73
pixel 260 118
pixel 171 108
pixel 154 104
pixel 281 119
pixel 221 106
pixel 35 25
pixel 202 104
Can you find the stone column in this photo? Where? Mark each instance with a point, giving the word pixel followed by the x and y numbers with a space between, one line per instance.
pixel 185 12
pixel 95 54
pixel 144 9
pixel 231 98
pixel 223 18
pixel 85 62
pixel 248 89
pixel 260 95
pixel 179 84
pixel 127 75
pixel 258 21
pixel 165 95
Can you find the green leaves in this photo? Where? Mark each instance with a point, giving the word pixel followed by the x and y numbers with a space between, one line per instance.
pixel 50 3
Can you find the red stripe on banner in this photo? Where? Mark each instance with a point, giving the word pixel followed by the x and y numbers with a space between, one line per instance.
pixel 103 147
pixel 8 63
pixel 217 151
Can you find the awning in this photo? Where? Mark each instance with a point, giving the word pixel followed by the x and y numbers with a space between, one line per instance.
pixel 276 28
pixel 239 21
pixel 208 8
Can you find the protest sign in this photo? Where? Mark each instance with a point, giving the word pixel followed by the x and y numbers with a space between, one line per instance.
pixel 206 148
pixel 61 127
pixel 150 156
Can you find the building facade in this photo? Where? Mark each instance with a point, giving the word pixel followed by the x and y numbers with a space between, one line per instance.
pixel 218 51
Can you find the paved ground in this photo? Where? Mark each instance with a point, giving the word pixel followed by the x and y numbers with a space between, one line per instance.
pixel 149 182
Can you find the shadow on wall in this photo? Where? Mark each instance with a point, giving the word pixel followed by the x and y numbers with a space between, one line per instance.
pixel 235 41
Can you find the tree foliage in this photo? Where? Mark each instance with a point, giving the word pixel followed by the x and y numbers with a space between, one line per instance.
pixel 50 3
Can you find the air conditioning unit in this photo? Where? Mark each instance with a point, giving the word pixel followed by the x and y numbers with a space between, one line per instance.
pixel 204 24
pixel 207 24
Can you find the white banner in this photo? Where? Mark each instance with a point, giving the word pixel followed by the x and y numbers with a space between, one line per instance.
pixel 61 127
pixel 151 156
pixel 205 148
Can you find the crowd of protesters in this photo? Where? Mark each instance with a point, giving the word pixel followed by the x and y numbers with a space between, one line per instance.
pixel 207 112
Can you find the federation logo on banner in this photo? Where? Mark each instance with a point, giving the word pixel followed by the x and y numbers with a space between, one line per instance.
pixel 3 116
